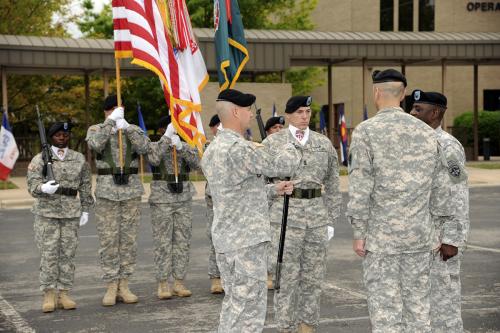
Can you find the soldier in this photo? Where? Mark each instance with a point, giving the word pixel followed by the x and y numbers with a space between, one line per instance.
pixel 446 314
pixel 310 214
pixel 213 270
pixel 397 188
pixel 235 169
pixel 118 197
pixel 58 214
pixel 171 208
pixel 274 125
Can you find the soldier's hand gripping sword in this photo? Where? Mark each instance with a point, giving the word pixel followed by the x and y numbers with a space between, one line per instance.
pixel 46 153
pixel 284 219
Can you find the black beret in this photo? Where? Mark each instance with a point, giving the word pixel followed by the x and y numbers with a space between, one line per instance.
pixel 110 102
pixel 59 126
pixel 273 121
pixel 296 102
pixel 164 121
pixel 389 75
pixel 214 121
pixel 433 98
pixel 236 97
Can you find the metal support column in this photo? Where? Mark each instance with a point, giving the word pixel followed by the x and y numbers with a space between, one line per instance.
pixel 105 80
pixel 87 112
pixel 476 114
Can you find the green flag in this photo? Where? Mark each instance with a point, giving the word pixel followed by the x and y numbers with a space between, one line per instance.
pixel 230 44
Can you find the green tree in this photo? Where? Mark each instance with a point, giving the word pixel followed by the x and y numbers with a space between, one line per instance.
pixel 34 17
pixel 96 25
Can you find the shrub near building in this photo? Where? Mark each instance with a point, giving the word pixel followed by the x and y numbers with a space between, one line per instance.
pixel 489 127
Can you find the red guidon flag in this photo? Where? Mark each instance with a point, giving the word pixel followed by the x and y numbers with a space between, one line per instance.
pixel 157 35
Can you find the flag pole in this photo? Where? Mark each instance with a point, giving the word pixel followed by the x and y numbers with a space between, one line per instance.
pixel 119 98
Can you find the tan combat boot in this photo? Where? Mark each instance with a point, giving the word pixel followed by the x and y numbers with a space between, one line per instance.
pixel 270 282
pixel 124 294
pixel 109 298
pixel 180 290
pixel 216 286
pixel 49 300
pixel 64 301
pixel 304 328
pixel 164 290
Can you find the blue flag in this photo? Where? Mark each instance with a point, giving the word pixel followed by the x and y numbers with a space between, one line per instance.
pixel 142 125
pixel 230 44
pixel 343 135
pixel 365 112
pixel 322 119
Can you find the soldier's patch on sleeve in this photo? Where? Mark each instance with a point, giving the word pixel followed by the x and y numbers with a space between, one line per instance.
pixel 456 170
pixel 31 167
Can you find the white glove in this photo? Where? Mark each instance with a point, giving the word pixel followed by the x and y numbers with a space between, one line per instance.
pixel 176 141
pixel 84 218
pixel 331 232
pixel 117 113
pixel 122 124
pixel 170 131
pixel 50 187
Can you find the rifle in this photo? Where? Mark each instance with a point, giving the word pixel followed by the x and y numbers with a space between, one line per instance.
pixel 284 219
pixel 46 153
pixel 258 117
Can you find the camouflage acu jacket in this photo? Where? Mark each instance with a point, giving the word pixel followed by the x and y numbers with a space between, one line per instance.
pixel 235 170
pixel 398 185
pixel 160 154
pixel 74 173
pixel 98 136
pixel 318 168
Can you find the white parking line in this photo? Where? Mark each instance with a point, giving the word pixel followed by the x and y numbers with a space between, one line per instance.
pixel 14 317
pixel 354 293
pixel 481 248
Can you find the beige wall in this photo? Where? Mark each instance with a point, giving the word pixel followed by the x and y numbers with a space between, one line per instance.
pixel 267 94
pixel 346 15
pixel 363 15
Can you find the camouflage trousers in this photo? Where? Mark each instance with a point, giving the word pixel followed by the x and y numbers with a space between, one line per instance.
pixel 57 240
pixel 172 230
pixel 302 274
pixel 243 275
pixel 398 288
pixel 446 297
pixel 213 269
pixel 117 223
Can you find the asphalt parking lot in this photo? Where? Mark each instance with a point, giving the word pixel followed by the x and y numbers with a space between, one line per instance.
pixel 343 301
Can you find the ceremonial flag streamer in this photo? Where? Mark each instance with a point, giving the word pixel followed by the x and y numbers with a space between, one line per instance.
pixel 157 35
pixel 342 135
pixel 275 112
pixel 8 149
pixel 230 43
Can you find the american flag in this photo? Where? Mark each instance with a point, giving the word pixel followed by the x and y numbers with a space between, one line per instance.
pixel 158 35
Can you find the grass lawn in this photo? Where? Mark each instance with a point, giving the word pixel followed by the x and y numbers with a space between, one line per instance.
pixel 484 165
pixel 7 185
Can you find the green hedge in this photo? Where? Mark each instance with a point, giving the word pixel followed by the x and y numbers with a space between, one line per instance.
pixel 489 127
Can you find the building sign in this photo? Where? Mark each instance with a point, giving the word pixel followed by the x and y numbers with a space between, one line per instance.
pixel 483 6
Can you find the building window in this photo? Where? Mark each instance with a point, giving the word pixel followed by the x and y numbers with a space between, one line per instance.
pixel 491 99
pixel 426 15
pixel 386 15
pixel 405 15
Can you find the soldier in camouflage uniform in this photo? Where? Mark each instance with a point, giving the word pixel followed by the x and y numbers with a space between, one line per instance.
pixel 213 269
pixel 118 197
pixel 235 169
pixel 446 314
pixel 310 214
pixel 171 208
pixel 58 213
pixel 398 187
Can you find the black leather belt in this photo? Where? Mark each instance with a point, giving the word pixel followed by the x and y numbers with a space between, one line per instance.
pixel 115 171
pixel 71 192
pixel 171 178
pixel 299 193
